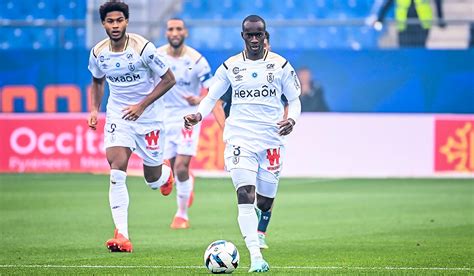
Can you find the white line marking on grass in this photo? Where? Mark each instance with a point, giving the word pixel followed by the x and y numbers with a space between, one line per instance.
pixel 273 267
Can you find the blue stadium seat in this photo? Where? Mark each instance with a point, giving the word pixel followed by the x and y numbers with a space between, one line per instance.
pixel 10 9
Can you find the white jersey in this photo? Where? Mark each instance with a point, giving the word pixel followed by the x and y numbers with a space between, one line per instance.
pixel 257 87
pixel 132 75
pixel 192 72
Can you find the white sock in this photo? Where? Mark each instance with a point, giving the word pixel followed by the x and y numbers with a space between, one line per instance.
pixel 165 175
pixel 118 199
pixel 183 191
pixel 248 223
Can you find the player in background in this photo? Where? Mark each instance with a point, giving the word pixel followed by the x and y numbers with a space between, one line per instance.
pixel 134 117
pixel 192 72
pixel 221 112
pixel 255 129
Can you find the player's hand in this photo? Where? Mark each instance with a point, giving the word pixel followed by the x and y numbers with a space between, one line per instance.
pixel 132 112
pixel 286 126
pixel 92 120
pixel 192 119
pixel 193 100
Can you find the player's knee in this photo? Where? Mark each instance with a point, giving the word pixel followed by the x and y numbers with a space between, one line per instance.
pixel 246 194
pixel 152 175
pixel 181 171
pixel 118 165
pixel 264 203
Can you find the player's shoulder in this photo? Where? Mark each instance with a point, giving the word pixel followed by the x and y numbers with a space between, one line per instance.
pixel 275 58
pixel 231 61
pixel 99 47
pixel 193 54
pixel 137 42
pixel 163 49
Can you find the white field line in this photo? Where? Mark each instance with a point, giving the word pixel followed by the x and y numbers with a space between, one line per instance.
pixel 387 268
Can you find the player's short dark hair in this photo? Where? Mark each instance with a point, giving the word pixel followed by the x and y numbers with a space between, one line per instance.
pixel 113 5
pixel 177 18
pixel 267 36
pixel 254 18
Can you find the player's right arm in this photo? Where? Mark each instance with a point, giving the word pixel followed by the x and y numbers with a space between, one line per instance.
pixel 97 90
pixel 219 86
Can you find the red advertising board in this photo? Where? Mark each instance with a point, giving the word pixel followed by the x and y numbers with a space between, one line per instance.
pixel 64 143
pixel 454 145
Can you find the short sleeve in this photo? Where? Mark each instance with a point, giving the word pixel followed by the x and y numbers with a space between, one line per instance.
pixel 94 67
pixel 154 60
pixel 204 72
pixel 291 87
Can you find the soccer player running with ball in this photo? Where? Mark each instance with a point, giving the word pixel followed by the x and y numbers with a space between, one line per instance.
pixel 255 129
pixel 134 117
pixel 221 114
pixel 192 73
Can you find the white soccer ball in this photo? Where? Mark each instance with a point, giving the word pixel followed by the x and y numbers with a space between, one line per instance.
pixel 221 257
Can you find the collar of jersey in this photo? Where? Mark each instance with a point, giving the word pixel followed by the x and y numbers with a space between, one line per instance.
pixel 124 48
pixel 265 54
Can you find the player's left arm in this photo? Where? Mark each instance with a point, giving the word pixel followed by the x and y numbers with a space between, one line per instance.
pixel 291 88
pixel 157 63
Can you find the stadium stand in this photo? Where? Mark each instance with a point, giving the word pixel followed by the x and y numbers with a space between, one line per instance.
pixel 43 24
pixel 215 24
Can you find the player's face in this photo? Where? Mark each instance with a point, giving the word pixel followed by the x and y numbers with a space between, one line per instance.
pixel 115 25
pixel 176 32
pixel 253 35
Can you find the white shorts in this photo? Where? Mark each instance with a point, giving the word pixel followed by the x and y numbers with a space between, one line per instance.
pixel 180 140
pixel 145 139
pixel 267 164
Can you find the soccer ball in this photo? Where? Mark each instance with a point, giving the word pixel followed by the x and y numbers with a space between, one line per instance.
pixel 221 257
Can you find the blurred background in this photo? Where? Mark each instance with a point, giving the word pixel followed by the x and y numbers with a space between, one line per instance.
pixel 387 91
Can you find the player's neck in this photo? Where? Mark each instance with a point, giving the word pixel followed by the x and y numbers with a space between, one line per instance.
pixel 119 45
pixel 255 56
pixel 176 52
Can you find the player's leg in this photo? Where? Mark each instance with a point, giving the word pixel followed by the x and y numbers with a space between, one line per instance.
pixel 157 172
pixel 118 198
pixel 119 143
pixel 187 146
pixel 184 188
pixel 243 165
pixel 264 206
pixel 267 185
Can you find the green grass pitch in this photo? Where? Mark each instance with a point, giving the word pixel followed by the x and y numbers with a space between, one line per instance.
pixel 58 223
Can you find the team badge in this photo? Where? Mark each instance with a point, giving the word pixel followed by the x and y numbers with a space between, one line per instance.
pixel 270 77
pixel 235 160
pixel 254 74
pixel 131 67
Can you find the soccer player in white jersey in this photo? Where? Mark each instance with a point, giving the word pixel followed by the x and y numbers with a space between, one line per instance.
pixel 255 129
pixel 192 73
pixel 134 117
pixel 220 114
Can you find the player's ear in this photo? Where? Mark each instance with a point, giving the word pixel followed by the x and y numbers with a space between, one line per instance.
pixel 242 35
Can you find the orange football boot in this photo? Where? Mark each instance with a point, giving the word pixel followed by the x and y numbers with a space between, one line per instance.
pixel 167 188
pixel 119 243
pixel 179 223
